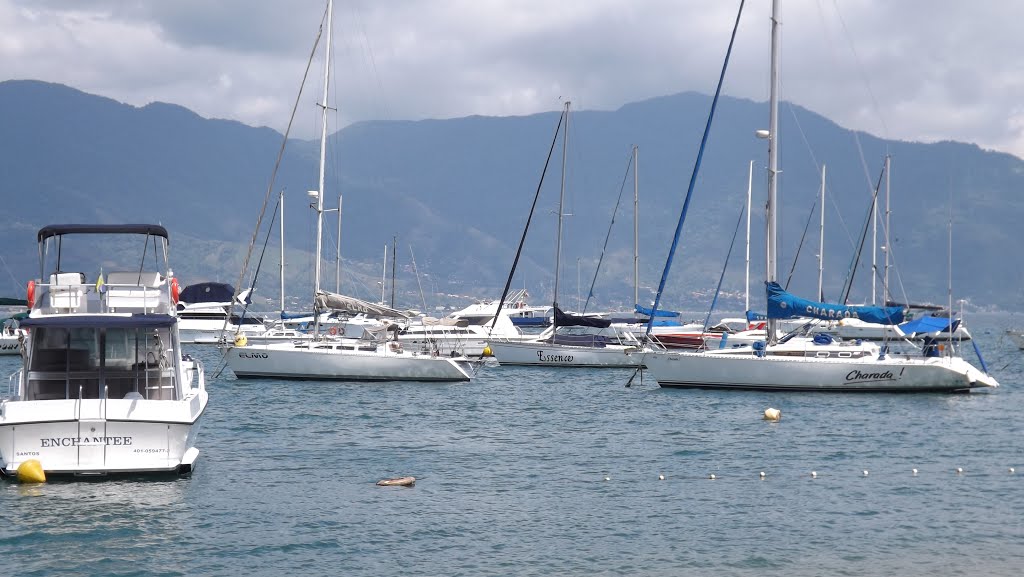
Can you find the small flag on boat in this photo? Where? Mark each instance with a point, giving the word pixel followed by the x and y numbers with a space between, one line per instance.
pixel 100 285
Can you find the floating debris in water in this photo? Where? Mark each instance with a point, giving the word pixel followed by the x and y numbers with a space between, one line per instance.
pixel 397 482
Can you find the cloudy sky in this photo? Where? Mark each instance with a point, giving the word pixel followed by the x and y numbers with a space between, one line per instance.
pixel 921 70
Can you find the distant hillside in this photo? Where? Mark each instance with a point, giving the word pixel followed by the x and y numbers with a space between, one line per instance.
pixel 458 191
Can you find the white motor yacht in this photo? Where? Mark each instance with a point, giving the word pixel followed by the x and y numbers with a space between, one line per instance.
pixel 104 386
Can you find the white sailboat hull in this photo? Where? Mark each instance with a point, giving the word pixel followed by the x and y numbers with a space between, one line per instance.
pixel 780 373
pixel 102 436
pixel 553 355
pixel 343 363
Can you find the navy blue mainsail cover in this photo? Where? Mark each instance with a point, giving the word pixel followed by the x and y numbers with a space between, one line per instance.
pixel 566 320
pixel 782 305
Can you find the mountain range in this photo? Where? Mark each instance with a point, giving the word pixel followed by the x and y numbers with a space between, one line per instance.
pixel 453 197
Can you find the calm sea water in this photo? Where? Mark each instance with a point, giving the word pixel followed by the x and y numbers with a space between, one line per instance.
pixel 556 472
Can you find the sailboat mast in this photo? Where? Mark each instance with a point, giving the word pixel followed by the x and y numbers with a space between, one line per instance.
pixel 561 200
pixel 773 152
pixel 337 256
pixel 874 247
pixel 885 236
pixel 281 228
pixel 821 238
pixel 636 227
pixel 323 151
pixel 384 276
pixel 750 186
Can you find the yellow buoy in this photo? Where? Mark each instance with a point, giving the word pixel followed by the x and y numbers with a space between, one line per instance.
pixel 31 471
pixel 241 340
pixel 397 482
pixel 487 351
pixel 771 414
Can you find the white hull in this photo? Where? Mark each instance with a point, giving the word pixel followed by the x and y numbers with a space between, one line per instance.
pixel 344 362
pixel 101 436
pixel 552 355
pixel 781 373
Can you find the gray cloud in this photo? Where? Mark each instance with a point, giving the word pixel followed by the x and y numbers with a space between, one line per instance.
pixel 910 70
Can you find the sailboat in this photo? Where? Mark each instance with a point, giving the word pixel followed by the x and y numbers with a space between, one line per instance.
pixel 571 340
pixel 819 364
pixel 333 358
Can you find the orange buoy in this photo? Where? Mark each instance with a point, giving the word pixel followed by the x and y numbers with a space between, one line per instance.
pixel 31 296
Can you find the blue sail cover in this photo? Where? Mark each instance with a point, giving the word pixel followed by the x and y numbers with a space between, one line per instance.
pixel 659 313
pixel 782 305
pixel 925 324
pixel 754 316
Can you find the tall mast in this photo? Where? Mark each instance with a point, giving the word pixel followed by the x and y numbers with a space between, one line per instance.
pixel 561 200
pixel 821 238
pixel 636 226
pixel 750 186
pixel 384 276
pixel 337 262
pixel 874 247
pixel 773 152
pixel 281 228
pixel 885 236
pixel 323 151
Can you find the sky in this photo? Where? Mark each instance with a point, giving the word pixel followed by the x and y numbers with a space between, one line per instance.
pixel 919 70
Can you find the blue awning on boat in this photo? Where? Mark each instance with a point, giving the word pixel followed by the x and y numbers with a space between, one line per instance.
pixel 782 305
pixel 660 313
pixel 925 324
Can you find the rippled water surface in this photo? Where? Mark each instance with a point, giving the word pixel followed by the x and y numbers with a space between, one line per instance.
pixel 530 471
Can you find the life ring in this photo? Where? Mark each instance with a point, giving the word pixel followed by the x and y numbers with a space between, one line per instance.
pixel 31 293
pixel 333 330
pixel 175 290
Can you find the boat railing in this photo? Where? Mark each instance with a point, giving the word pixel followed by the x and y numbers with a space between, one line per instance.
pixel 15 383
pixel 70 292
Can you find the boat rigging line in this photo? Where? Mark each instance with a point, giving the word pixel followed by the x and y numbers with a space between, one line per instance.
pixel 529 218
pixel 600 259
pixel 728 255
pixel 689 190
